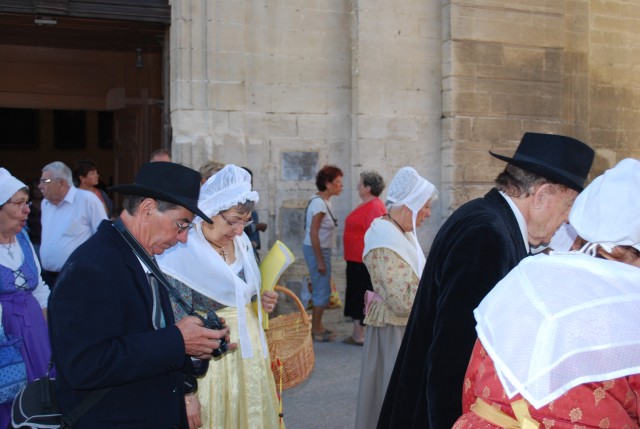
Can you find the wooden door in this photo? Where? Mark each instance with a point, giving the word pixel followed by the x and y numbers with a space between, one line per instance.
pixel 131 146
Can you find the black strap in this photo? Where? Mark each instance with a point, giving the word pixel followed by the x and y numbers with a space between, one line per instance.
pixel 81 409
pixel 150 263
pixel 325 204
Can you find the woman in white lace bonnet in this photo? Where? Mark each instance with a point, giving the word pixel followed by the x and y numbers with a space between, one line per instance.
pixel 216 269
pixel 559 337
pixel 395 260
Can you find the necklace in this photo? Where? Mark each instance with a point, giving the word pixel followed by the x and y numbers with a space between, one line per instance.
pixel 397 224
pixel 220 250
pixel 8 247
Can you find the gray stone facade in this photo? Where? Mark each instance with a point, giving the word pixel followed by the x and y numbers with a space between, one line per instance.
pixel 434 84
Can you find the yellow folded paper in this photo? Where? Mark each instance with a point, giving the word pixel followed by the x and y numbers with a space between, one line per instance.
pixel 272 266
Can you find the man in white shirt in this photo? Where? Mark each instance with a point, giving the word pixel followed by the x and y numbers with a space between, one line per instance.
pixel 69 217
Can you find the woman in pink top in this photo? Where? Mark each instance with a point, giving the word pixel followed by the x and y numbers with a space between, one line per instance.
pixel 356 224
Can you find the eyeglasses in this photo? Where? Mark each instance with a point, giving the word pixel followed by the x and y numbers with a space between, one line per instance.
pixel 181 227
pixel 20 204
pixel 47 181
pixel 243 223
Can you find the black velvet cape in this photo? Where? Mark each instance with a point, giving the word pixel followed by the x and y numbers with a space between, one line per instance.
pixel 475 248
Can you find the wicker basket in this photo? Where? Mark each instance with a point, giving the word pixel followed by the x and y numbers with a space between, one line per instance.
pixel 289 340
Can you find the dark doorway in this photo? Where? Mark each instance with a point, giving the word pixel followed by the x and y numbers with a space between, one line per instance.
pixel 75 77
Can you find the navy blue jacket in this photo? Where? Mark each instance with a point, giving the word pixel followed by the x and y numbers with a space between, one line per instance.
pixel 475 248
pixel 100 323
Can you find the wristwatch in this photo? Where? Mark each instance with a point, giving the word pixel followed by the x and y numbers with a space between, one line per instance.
pixel 190 384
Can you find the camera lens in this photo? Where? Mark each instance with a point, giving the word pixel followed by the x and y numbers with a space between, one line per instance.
pixel 222 348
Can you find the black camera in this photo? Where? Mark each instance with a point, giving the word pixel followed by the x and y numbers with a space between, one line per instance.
pixel 213 322
pixel 200 366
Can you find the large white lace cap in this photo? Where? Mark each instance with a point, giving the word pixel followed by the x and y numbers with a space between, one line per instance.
pixel 9 185
pixel 558 321
pixel 226 189
pixel 409 188
pixel 607 212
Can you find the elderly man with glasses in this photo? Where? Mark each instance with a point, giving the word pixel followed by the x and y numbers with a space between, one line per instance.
pixel 114 338
pixel 69 217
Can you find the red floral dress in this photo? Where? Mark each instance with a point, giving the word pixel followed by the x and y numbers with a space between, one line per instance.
pixel 607 404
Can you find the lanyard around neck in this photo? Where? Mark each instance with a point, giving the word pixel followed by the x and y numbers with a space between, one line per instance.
pixel 150 263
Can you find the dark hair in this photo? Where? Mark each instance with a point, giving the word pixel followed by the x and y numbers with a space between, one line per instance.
pixel 328 173
pixel 82 167
pixel 242 208
pixel 374 181
pixel 132 202
pixel 516 182
pixel 619 252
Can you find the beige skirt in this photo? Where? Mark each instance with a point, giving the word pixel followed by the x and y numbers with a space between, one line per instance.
pixel 381 347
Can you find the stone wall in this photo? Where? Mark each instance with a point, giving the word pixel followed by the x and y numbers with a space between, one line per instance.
pixel 614 80
pixel 566 67
pixel 509 67
pixel 286 86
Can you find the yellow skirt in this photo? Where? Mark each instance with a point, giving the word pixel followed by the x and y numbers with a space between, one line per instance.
pixel 235 392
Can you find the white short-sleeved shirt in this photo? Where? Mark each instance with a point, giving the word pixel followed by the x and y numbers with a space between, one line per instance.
pixel 326 234
pixel 67 225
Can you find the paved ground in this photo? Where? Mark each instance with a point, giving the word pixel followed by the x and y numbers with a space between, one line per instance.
pixel 327 399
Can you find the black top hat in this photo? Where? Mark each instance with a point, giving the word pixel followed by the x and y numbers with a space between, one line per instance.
pixel 166 181
pixel 561 159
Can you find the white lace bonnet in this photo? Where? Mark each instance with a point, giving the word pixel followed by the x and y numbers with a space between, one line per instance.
pixel 226 189
pixel 9 185
pixel 410 189
pixel 607 212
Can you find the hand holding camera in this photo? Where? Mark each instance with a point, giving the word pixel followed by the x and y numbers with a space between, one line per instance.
pixel 201 341
pixel 213 322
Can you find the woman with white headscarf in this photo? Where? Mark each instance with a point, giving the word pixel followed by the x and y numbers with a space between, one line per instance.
pixel 23 293
pixel 558 338
pixel 395 260
pixel 216 269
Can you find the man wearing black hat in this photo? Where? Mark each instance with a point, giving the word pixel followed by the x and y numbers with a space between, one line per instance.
pixel 475 248
pixel 111 324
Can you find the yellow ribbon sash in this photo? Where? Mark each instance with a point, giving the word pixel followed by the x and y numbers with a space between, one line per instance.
pixel 493 415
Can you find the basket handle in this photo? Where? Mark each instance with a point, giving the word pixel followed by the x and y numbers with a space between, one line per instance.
pixel 296 300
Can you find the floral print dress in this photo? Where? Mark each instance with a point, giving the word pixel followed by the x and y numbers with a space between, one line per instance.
pixel 606 404
pixel 396 283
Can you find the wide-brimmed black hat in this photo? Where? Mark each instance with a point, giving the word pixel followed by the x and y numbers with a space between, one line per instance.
pixel 166 181
pixel 561 159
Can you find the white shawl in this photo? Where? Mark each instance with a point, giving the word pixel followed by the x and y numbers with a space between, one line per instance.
pixel 196 264
pixel 382 233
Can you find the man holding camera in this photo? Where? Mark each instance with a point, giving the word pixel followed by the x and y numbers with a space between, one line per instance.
pixel 111 323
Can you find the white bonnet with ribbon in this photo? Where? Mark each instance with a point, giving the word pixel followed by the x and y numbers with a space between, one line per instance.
pixel 226 189
pixel 607 212
pixel 9 185
pixel 410 189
